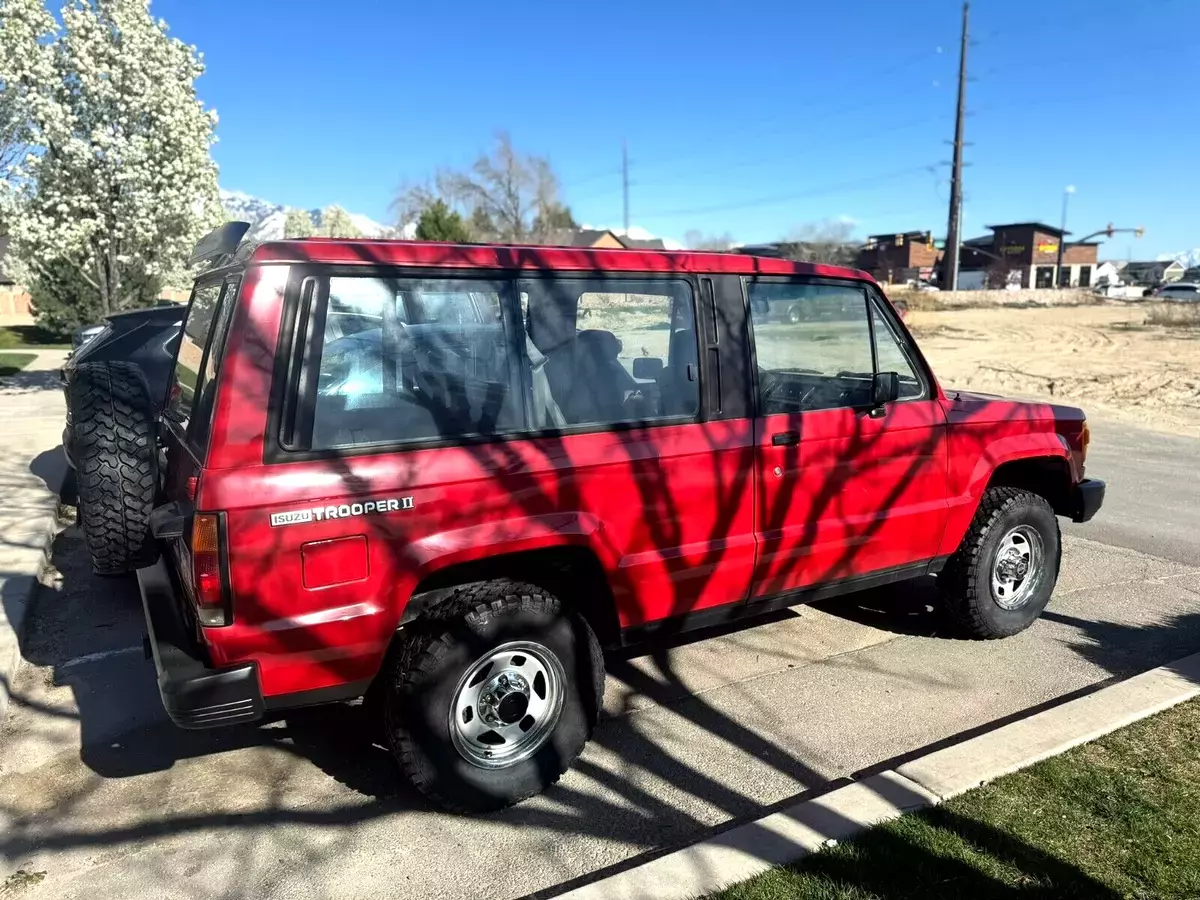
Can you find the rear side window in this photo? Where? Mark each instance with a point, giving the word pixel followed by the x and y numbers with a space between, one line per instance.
pixel 408 360
pixel 607 351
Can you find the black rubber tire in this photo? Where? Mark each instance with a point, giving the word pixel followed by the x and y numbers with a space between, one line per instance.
pixel 965 583
pixel 420 679
pixel 795 314
pixel 113 444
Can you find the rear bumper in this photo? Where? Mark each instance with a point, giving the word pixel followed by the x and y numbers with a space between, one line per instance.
pixel 194 695
pixel 1087 497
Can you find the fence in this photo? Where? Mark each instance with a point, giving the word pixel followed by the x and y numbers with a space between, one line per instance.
pixel 16 308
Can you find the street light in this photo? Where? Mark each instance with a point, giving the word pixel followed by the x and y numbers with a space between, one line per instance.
pixel 1067 192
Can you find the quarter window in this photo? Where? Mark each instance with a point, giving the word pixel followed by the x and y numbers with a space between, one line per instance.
pixel 410 359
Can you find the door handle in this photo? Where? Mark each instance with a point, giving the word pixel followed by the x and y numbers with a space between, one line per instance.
pixel 786 439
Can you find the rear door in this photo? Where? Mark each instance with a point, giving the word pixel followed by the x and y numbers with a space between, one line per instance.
pixel 844 490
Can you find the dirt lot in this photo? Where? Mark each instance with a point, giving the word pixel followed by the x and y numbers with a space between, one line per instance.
pixel 1105 358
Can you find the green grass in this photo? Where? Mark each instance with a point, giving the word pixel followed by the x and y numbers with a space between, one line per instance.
pixel 31 337
pixel 1119 817
pixel 12 363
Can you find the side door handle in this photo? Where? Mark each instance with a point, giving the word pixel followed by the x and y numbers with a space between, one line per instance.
pixel 786 439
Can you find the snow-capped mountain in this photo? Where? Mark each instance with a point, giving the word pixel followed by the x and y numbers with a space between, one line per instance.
pixel 1187 258
pixel 266 218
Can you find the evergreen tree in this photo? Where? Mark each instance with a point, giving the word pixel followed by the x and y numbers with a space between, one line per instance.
pixel 439 222
pixel 298 224
pixel 336 222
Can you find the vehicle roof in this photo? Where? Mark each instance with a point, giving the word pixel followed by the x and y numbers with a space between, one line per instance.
pixel 1186 285
pixel 512 256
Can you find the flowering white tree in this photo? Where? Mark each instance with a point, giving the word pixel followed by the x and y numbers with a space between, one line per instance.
pixel 120 183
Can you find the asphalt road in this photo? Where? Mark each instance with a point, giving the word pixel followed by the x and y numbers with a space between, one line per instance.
pixel 1152 502
pixel 101 794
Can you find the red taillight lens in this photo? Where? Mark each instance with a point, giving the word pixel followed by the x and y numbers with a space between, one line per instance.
pixel 206 570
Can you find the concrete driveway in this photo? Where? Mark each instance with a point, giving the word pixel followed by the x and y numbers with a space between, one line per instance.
pixel 103 795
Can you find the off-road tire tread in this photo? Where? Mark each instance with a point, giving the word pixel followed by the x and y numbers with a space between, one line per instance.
pixel 422 651
pixel 114 450
pixel 957 582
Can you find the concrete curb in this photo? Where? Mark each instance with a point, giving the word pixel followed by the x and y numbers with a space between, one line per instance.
pixel 788 835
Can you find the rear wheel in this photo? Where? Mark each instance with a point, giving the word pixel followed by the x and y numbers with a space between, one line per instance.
pixel 795 314
pixel 113 446
pixel 1002 575
pixel 490 700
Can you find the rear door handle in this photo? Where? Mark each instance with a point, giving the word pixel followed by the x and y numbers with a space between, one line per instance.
pixel 785 439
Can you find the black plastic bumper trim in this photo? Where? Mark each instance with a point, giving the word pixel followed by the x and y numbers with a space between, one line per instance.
pixel 1086 499
pixel 194 695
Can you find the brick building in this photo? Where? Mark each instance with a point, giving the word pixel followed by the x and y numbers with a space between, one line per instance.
pixel 900 257
pixel 1025 254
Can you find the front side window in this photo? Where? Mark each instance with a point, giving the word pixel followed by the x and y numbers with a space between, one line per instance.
pixel 605 351
pixel 408 360
pixel 812 344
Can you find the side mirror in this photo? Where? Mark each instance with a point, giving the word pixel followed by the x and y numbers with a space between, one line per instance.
pixel 647 368
pixel 885 387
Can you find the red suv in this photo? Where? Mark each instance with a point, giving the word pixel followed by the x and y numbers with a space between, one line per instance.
pixel 445 477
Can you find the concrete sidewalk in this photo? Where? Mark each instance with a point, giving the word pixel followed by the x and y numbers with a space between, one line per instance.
pixel 32 470
pixel 748 850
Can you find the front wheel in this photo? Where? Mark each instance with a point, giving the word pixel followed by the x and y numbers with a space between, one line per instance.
pixel 1002 575
pixel 492 698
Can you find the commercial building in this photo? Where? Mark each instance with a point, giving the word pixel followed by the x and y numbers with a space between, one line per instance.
pixel 1024 254
pixel 900 257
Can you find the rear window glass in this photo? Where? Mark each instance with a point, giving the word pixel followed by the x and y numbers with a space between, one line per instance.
pixel 410 359
pixel 196 329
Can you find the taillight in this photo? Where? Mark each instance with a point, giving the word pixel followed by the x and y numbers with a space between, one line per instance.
pixel 1085 438
pixel 211 608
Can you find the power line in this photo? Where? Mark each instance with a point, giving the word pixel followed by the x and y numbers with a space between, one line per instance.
pixel 761 162
pixel 787 198
pixel 791 111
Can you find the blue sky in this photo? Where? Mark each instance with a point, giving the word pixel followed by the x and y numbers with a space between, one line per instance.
pixel 747 118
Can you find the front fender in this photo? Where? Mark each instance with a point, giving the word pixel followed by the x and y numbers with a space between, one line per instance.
pixel 975 476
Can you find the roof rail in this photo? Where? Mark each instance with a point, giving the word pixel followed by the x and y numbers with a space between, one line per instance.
pixel 219 243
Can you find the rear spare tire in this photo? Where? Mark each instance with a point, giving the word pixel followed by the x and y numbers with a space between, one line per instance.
pixel 114 450
pixel 492 696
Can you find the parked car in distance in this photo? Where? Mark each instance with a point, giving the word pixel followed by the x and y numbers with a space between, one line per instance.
pixel 445 476
pixel 1179 292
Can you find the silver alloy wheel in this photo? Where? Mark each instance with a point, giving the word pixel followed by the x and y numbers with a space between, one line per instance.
pixel 1017 567
pixel 507 704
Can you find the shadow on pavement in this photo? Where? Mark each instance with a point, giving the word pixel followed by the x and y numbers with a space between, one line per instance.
pixel 907 608
pixel 51 466
pixel 35 380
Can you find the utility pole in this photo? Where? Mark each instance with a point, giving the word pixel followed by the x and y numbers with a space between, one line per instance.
pixel 954 225
pixel 625 181
pixel 1062 238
